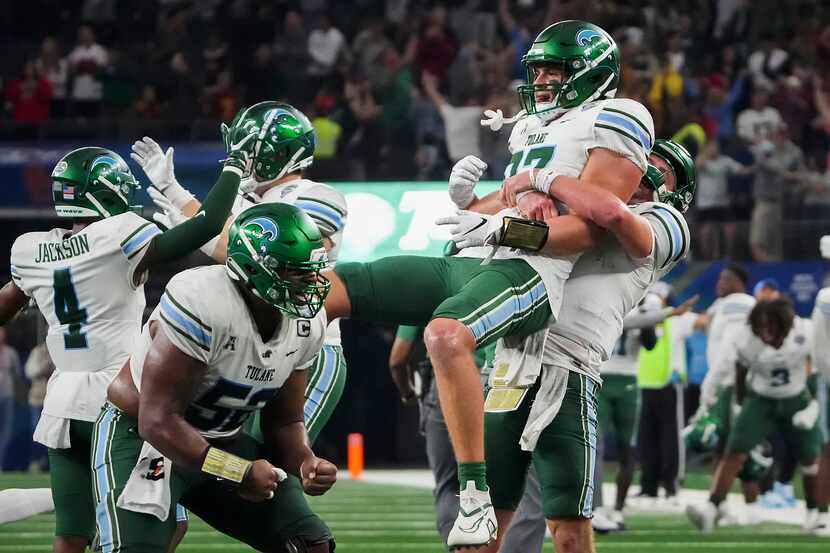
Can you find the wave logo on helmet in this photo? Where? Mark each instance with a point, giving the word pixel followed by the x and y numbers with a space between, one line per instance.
pixel 268 229
pixel 586 36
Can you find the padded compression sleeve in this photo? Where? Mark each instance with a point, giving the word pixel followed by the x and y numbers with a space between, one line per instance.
pixel 204 225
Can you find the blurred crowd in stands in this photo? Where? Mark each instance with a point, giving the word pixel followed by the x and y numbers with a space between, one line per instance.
pixel 396 88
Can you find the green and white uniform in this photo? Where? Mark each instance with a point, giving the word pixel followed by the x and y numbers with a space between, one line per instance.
pixel 776 390
pixel 518 292
pixel 204 315
pixel 560 439
pixel 84 286
pixel 821 357
pixel 327 377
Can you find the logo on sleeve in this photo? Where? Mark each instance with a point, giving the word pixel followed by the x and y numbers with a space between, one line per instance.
pixel 230 345
pixel 303 328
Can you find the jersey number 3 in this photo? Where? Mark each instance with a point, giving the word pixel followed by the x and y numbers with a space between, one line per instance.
pixel 68 311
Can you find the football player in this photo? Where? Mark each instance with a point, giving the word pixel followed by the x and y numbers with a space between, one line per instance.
pixel 772 364
pixel 723 321
pixel 288 142
pixel 571 126
pixel 821 363
pixel 547 414
pixel 225 341
pixel 89 284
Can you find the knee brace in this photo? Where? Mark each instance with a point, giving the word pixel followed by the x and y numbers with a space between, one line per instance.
pixel 810 470
pixel 298 544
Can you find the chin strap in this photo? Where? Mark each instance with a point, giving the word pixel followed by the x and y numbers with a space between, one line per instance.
pixel 496 119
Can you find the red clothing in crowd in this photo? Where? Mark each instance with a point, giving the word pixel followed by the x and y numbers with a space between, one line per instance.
pixel 30 100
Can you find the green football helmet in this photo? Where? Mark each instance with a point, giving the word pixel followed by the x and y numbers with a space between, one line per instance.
pixel 703 433
pixel 92 182
pixel 683 167
pixel 276 250
pixel 285 141
pixel 589 58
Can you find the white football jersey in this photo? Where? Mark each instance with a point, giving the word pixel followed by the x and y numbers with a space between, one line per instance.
pixel 821 333
pixel 727 318
pixel 325 205
pixel 621 125
pixel 606 284
pixel 776 373
pixel 204 314
pixel 83 285
pixel 625 356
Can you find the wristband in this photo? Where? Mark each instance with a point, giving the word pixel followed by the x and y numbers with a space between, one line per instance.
pixel 178 195
pixel 523 234
pixel 541 179
pixel 225 466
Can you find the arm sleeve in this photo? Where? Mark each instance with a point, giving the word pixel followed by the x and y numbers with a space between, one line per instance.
pixel 671 234
pixel 638 319
pixel 625 127
pixel 184 316
pixel 204 225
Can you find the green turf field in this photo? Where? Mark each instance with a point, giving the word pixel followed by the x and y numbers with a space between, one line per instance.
pixel 371 518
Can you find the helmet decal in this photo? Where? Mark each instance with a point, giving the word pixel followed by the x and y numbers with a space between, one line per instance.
pixel 59 168
pixel 267 226
pixel 584 37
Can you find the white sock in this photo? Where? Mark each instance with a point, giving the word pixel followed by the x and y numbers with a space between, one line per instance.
pixel 19 504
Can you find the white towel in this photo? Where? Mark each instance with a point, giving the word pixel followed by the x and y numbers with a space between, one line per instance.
pixel 148 489
pixel 546 404
pixel 53 432
pixel 517 363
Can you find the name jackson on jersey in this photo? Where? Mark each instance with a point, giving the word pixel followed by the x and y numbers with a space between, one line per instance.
pixel 73 246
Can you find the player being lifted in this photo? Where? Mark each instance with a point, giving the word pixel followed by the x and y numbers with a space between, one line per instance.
pixel 772 362
pixel 225 341
pixel 89 284
pixel 542 405
pixel 571 128
pixel 288 143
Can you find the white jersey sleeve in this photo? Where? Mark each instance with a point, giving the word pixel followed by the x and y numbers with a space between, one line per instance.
pixel 821 333
pixel 134 245
pixel 748 347
pixel 624 126
pixel 183 315
pixel 672 238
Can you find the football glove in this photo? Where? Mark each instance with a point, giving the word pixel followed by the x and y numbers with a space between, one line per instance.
pixel 158 166
pixel 463 179
pixel 807 417
pixel 170 216
pixel 470 229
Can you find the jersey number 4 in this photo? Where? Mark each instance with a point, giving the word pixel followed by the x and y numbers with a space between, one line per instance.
pixel 68 311
pixel 530 158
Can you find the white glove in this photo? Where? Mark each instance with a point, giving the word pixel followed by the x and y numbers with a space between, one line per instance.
pixel 807 417
pixel 824 246
pixel 472 229
pixel 463 179
pixel 169 215
pixel 158 166
pixel 702 411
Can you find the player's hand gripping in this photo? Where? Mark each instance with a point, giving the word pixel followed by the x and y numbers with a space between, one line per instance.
pixel 170 215
pixel 537 206
pixel 261 481
pixel 806 418
pixel 514 186
pixel 318 475
pixel 470 229
pixel 463 179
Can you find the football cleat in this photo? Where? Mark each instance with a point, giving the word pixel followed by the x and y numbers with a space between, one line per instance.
pixel 476 524
pixel 602 522
pixel 618 519
pixel 822 527
pixel 811 521
pixel 703 516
